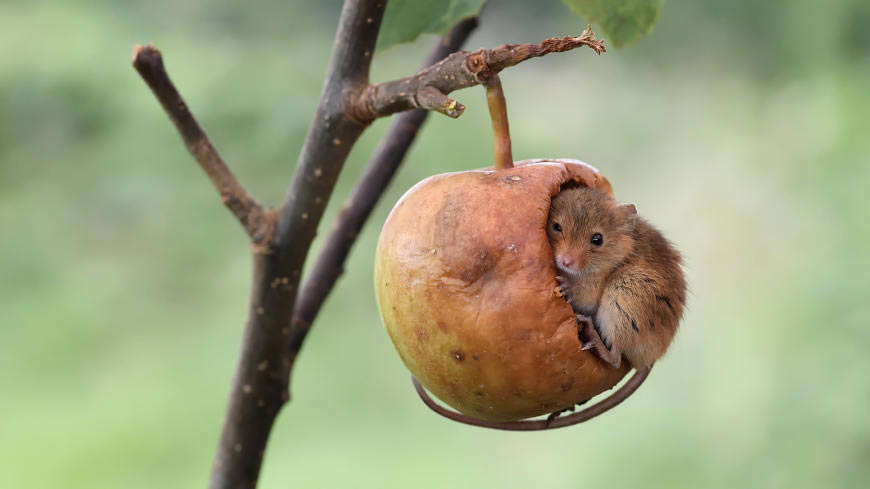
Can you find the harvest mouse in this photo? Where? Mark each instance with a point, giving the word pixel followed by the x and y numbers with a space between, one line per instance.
pixel 621 276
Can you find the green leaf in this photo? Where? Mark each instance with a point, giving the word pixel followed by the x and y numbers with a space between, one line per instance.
pixel 405 20
pixel 622 21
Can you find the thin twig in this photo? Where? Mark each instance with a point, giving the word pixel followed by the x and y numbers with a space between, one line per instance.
pixel 368 191
pixel 257 222
pixel 459 70
pixel 586 414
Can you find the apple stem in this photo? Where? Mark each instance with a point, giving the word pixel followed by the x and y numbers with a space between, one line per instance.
pixel 501 141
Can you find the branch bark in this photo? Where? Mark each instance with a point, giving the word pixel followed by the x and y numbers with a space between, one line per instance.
pixel 260 385
pixel 459 70
pixel 258 222
pixel 365 195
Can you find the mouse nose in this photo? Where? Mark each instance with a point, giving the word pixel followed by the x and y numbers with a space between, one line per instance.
pixel 566 261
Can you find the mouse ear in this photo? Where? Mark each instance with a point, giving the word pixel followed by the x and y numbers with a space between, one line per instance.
pixel 627 209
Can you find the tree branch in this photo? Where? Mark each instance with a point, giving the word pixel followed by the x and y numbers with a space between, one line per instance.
pixel 257 222
pixel 260 385
pixel 358 207
pixel 348 104
pixel 459 70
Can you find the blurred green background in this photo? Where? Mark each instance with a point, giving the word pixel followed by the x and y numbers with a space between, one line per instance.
pixel 740 128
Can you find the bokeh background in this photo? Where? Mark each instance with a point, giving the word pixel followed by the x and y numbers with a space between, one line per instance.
pixel 740 128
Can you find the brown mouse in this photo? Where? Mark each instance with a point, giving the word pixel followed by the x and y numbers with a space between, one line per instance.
pixel 620 275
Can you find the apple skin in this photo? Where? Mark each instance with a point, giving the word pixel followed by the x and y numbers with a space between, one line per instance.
pixel 465 283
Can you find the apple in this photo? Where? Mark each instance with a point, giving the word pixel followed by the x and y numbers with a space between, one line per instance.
pixel 466 287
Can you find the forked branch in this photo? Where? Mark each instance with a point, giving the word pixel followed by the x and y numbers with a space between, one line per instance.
pixel 275 329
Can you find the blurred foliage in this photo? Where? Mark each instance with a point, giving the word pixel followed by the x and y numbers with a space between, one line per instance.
pixel 622 21
pixel 406 20
pixel 740 128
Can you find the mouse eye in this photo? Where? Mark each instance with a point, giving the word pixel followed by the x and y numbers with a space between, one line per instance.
pixel 597 239
pixel 557 227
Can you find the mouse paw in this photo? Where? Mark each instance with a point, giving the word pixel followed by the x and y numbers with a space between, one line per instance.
pixel 590 339
pixel 586 332
pixel 564 289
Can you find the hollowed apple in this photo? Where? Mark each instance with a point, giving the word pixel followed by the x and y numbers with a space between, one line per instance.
pixel 466 286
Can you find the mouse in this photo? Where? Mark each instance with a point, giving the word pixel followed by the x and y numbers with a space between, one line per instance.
pixel 622 277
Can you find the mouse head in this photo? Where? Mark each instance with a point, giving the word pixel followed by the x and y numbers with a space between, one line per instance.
pixel 588 231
